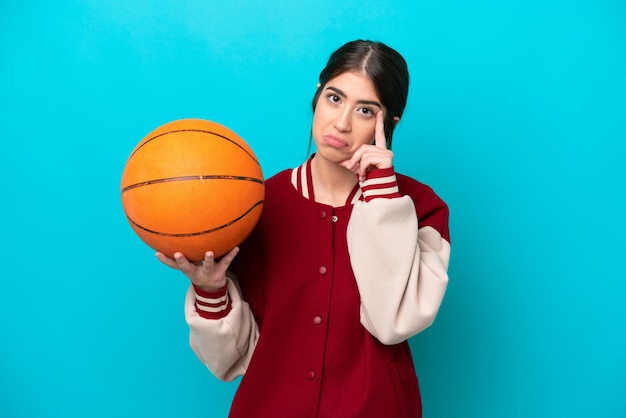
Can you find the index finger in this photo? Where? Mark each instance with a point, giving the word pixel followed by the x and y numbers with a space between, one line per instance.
pixel 379 131
pixel 166 260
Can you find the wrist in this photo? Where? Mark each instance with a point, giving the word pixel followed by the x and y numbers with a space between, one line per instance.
pixel 380 183
pixel 212 304
pixel 209 288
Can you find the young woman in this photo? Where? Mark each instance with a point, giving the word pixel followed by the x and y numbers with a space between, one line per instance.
pixel 348 261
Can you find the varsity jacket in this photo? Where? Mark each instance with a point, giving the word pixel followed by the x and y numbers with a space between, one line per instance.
pixel 321 300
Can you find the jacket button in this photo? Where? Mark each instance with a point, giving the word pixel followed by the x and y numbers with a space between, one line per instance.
pixel 322 214
pixel 322 270
pixel 317 320
pixel 310 375
pixel 335 218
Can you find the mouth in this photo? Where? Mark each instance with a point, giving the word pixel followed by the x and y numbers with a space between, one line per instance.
pixel 334 141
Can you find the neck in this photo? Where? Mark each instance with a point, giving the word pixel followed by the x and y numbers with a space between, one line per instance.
pixel 332 183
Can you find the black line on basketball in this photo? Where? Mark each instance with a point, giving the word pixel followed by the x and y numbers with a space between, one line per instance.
pixel 195 130
pixel 188 178
pixel 194 234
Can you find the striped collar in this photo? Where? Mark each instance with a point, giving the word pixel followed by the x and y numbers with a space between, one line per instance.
pixel 302 181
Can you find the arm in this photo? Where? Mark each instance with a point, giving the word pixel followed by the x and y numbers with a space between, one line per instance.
pixel 223 332
pixel 400 265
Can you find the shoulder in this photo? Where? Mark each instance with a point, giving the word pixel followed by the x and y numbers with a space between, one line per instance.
pixel 431 209
pixel 279 178
pixel 419 192
pixel 278 187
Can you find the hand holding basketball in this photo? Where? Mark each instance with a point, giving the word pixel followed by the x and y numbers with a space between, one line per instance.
pixel 208 274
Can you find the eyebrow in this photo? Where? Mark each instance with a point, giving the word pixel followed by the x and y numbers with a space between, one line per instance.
pixel 344 95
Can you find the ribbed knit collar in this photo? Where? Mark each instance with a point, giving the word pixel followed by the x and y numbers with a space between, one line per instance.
pixel 302 181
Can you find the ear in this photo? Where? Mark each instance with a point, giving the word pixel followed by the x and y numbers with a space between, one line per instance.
pixel 395 120
pixel 319 85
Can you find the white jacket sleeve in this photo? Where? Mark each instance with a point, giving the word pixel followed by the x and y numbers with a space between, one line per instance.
pixel 224 344
pixel 400 268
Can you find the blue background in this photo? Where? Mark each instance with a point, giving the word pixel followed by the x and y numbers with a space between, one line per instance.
pixel 516 117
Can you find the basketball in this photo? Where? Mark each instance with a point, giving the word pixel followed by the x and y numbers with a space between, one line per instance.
pixel 192 186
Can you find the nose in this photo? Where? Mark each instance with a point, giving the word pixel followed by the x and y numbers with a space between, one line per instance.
pixel 342 121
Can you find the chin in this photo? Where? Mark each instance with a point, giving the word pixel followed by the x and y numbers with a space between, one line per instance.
pixel 332 155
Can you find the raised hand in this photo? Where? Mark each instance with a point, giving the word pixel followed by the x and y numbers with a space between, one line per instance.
pixel 368 156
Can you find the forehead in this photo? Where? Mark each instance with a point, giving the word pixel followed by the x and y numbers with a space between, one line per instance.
pixel 355 86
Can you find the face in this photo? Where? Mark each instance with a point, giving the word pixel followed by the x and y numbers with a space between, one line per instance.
pixel 345 116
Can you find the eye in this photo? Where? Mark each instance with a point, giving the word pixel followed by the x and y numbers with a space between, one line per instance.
pixel 333 98
pixel 366 111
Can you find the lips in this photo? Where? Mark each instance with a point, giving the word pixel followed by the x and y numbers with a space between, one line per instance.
pixel 334 141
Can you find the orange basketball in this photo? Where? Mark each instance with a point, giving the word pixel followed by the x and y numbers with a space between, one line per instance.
pixel 192 186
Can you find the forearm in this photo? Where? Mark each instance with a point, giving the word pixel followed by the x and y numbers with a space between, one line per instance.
pixel 223 332
pixel 400 267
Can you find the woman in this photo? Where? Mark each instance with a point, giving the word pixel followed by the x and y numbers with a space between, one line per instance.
pixel 348 261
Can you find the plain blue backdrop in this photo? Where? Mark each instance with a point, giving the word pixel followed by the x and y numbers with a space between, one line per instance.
pixel 516 116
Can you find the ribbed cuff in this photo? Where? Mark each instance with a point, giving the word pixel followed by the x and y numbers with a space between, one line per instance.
pixel 212 305
pixel 380 183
